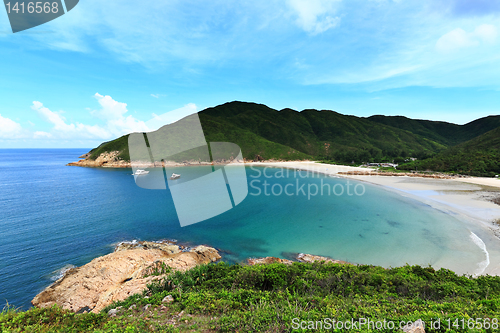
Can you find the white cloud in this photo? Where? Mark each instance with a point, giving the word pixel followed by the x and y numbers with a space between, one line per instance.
pixel 459 38
pixel 487 32
pixel 9 129
pixel 165 31
pixel 52 117
pixel 315 16
pixel 158 95
pixel 42 135
pixel 113 113
pixel 372 74
pixel 170 117
pixel 67 131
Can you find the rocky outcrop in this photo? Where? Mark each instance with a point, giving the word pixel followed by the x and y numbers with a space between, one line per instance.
pixel 301 257
pixel 268 260
pixel 312 258
pixel 107 160
pixel 128 271
pixel 85 155
pixel 112 160
pixel 166 246
pixel 118 275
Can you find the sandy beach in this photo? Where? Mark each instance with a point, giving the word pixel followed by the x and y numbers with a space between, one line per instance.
pixel 468 199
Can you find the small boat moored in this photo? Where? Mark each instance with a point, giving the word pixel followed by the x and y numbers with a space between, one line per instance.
pixel 175 176
pixel 139 172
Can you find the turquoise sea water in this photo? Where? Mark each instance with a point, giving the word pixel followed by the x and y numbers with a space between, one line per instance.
pixel 52 216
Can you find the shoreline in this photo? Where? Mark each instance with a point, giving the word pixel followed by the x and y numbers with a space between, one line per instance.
pixel 466 199
pixel 110 160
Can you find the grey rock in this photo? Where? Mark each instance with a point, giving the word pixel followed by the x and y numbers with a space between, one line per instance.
pixel 168 299
pixel 112 312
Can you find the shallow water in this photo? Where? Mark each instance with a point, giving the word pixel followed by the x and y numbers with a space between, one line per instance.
pixel 53 216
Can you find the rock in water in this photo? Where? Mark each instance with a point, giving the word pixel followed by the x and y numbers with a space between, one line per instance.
pixel 116 276
pixel 312 258
pixel 164 246
pixel 301 257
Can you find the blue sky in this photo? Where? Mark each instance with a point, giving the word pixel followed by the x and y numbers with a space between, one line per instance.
pixel 107 67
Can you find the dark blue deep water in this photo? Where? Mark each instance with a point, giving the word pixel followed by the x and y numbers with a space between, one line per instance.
pixel 52 215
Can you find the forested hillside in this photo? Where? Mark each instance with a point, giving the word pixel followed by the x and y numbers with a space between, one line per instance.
pixel 266 133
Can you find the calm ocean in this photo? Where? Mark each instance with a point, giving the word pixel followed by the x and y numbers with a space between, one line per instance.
pixel 52 216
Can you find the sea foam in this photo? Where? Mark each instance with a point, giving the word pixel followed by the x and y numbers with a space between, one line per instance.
pixel 483 264
pixel 61 272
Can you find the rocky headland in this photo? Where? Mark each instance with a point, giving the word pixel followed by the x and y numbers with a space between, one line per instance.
pixel 128 271
pixel 112 160
pixel 120 274
pixel 106 160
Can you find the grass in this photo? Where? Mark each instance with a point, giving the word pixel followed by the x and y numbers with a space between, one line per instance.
pixel 390 169
pixel 340 163
pixel 268 298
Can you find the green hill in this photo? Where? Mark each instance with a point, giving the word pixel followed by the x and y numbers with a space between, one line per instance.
pixel 439 131
pixel 477 157
pixel 324 134
pixel 288 134
pixel 267 133
pixel 216 131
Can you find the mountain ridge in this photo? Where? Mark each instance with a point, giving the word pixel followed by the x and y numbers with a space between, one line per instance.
pixel 287 134
pixel 445 132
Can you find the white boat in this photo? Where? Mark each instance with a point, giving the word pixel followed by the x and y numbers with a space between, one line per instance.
pixel 140 172
pixel 175 176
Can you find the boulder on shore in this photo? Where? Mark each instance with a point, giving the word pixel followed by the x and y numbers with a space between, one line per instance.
pixel 301 257
pixel 268 260
pixel 312 258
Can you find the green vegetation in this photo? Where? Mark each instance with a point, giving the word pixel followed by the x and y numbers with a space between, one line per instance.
pixel 251 144
pixel 265 133
pixel 235 298
pixel 120 144
pixel 440 131
pixel 291 135
pixel 477 157
pixel 322 134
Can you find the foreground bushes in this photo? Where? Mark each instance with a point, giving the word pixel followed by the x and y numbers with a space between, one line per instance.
pixel 226 298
